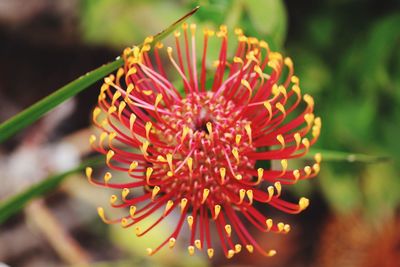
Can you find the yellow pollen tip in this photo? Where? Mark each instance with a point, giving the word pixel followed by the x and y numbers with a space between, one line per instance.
pixel 155 191
pixel 171 242
pixel 303 203
pixel 286 228
pixel 107 177
pixel 148 126
pixel 268 106
pixel 197 243
pixel 190 164
pixel 235 153
pixel 121 108
pixel 278 188
pixel 307 170
pixel 96 113
pixel 111 110
pixel 249 194
pixel 250 248
pixel 295 80
pixel 88 172
pixel 269 224
pixel 132 211
pixel 281 140
pixel 271 253
pixel 260 174
pixel 210 252
pixel 100 212
pixel 206 192
pixel 237 139
pixel 271 191
pixel 242 193
pixel 222 172
pixel 124 193
pixel 296 174
pixel 145 145
pixel 149 251
pixel 238 248
pixel 132 119
pixel 149 171
pixel 280 226
pixel 209 129
pixel 246 84
pixel 124 222
pixel 137 230
pixel 190 221
pixel 318 158
pixel 230 254
pixel 284 164
pixel 239 177
pixel 168 206
pixel 306 143
pixel 288 61
pixel 297 138
pixel 281 108
pixel 133 166
pixel 247 127
pixel 238 60
pixel 217 210
pixel 185 131
pixel 109 156
pixel 113 199
pixel 158 100
pixel 183 204
pixel 228 230
pixel 191 250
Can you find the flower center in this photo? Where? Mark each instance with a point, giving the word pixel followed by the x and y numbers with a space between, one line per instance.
pixel 209 138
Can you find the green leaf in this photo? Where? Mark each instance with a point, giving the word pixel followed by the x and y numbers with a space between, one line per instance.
pixel 269 18
pixel 16 202
pixel 330 155
pixel 37 110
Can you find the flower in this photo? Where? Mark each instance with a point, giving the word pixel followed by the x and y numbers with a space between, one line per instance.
pixel 190 138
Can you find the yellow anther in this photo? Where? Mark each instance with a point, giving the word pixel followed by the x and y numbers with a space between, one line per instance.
pixel 132 119
pixel 217 210
pixel 237 139
pixel 144 147
pixel 109 79
pixel 281 108
pixel 103 136
pixel 107 177
pixel 275 89
pixel 238 60
pixel 169 51
pixel 168 206
pixel 183 204
pixel 132 211
pixel 230 254
pixel 260 174
pixel 288 62
pixel 296 174
pixel 238 248
pixel 124 222
pixel 228 229
pixel 297 139
pixel 148 126
pixel 100 212
pixel 222 172
pixel 131 71
pixel 249 194
pixel 190 164
pixel 278 188
pixel 242 38
pixel 297 90
pixel 149 171
pixel 133 166
pixel 116 95
pixel 109 156
pixel 149 251
pixel 268 106
pixel 235 153
pixel 269 224
pixel 309 100
pixel 303 203
pixel 250 248
pixel 307 170
pixel 295 80
pixel 169 160
pixel 111 110
pixel 191 250
pixel 158 100
pixel 238 177
pixel 246 84
pixel 96 113
pixel 137 230
pixel 271 253
pixel 113 199
pixel 177 34
pixel 281 140
pixel 88 172
pixel 171 242
pixel 147 92
pixel 317 122
pixel 155 191
pixel 280 226
pixel 197 243
pixel 242 193
pixel 238 31
pixel 210 252
pixel 306 143
pixel 185 131
pixel 247 127
pixel 159 45
pixel 124 193
pixel 282 91
pixel 190 221
pixel 161 158
pixel 286 228
pixel 258 70
pixel 316 168
pixel 121 108
pixel 284 165
pixel 193 28
pixel 309 118
pixel 206 192
pixel 209 129
pixel 271 192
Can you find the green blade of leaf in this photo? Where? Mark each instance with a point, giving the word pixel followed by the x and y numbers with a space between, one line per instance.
pixel 329 155
pixel 16 202
pixel 37 110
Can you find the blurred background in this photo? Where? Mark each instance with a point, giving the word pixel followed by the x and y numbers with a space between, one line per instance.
pixel 346 53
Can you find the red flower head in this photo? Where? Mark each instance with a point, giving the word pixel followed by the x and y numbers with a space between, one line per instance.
pixel 190 138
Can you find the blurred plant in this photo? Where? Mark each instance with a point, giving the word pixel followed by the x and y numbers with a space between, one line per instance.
pixel 199 148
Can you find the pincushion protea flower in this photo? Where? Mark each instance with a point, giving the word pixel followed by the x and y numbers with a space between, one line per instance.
pixel 195 149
